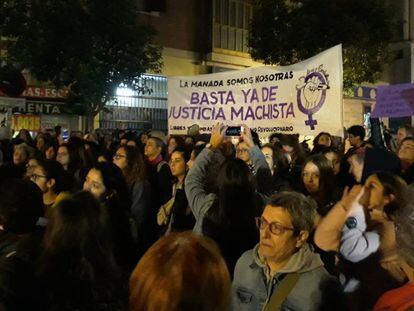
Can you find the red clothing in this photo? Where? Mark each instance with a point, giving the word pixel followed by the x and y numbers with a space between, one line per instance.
pixel 400 299
pixel 155 161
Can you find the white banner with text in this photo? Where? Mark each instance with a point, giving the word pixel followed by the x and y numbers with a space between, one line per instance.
pixel 304 98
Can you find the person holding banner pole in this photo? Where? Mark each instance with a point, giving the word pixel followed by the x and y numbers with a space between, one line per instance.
pixel 227 216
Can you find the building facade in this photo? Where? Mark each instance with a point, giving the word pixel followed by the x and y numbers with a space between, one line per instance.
pixel 401 70
pixel 209 36
pixel 198 37
pixel 201 37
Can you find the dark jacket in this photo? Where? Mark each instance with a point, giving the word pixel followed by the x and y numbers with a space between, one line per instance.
pixel 269 184
pixel 140 200
pixel 18 254
pixel 182 218
pixel 66 291
pixel 408 175
pixel 140 194
pixel 160 179
pixel 233 241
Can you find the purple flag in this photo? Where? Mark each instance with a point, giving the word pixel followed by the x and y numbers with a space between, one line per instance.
pixel 394 101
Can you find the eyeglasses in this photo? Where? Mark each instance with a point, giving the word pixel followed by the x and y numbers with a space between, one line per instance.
pixel 242 150
pixel 119 156
pixel 274 227
pixel 35 177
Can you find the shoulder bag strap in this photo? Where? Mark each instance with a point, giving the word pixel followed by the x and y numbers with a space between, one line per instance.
pixel 283 290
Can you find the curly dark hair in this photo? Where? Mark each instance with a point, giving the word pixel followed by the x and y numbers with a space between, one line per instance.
pixel 136 169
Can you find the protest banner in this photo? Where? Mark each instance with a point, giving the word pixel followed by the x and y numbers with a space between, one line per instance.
pixel 394 101
pixel 304 98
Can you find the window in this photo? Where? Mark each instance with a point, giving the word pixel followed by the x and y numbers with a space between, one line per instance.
pixel 231 23
pixel 225 12
pixel 138 111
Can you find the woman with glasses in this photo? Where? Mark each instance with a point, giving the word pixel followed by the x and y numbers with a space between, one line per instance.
pixel 176 214
pixel 52 180
pixel 130 160
pixel 243 153
pixel 282 272
pixel 31 164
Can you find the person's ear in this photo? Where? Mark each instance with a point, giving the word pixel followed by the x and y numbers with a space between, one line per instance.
pixel 302 238
pixel 51 183
pixel 389 198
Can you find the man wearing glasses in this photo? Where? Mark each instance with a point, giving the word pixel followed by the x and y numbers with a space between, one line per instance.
pixel 282 272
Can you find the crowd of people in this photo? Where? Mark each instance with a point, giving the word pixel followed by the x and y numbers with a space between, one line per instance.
pixel 141 221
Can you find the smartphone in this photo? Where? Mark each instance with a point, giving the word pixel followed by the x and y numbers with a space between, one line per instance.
pixel 234 130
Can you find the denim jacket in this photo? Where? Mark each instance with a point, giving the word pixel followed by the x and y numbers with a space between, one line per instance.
pixel 252 287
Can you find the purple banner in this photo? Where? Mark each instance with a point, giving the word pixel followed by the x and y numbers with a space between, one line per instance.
pixel 394 101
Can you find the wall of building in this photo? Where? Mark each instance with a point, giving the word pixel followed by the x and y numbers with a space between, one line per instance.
pixel 401 70
pixel 185 25
pixel 186 30
pixel 354 111
pixel 182 63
